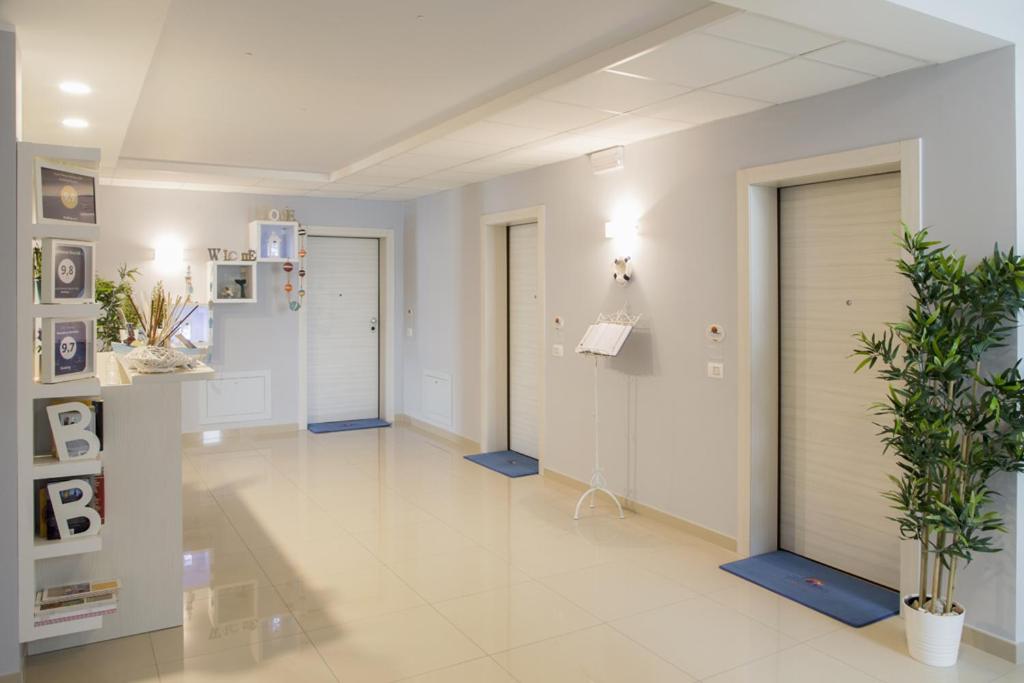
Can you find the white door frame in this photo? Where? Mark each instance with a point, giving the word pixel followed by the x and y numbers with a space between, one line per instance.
pixel 494 327
pixel 386 274
pixel 757 319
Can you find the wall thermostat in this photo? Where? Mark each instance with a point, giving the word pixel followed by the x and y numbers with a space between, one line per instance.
pixel 715 332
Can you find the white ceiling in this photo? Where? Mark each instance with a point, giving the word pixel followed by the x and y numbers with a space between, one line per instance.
pixel 367 99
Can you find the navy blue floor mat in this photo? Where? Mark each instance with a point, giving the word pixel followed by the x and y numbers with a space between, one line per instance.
pixel 346 425
pixel 842 596
pixel 509 463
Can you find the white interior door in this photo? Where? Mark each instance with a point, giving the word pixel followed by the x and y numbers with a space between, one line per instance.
pixel 524 340
pixel 343 328
pixel 837 244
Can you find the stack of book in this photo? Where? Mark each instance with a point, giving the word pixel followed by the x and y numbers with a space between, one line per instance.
pixel 76 601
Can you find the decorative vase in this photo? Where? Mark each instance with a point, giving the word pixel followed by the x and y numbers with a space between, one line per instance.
pixel 933 639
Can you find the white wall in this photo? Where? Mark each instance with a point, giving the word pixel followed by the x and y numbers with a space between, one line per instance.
pixel 682 454
pixel 10 649
pixel 260 336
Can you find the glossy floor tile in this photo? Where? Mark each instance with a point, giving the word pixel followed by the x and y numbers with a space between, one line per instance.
pixel 382 556
pixel 702 637
pixel 502 619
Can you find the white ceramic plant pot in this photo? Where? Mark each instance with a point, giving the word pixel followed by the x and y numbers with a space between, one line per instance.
pixel 933 639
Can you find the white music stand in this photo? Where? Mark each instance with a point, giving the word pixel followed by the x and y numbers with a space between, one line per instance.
pixel 598 484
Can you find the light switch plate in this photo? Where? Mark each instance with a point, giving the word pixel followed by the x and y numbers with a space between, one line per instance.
pixel 558 350
pixel 716 369
pixel 408 332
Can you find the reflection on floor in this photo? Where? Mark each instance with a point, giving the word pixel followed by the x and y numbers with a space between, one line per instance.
pixel 369 556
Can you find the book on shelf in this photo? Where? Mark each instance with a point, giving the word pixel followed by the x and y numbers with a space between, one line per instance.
pixel 73 591
pixel 604 339
pixel 73 608
pixel 46 523
pixel 62 618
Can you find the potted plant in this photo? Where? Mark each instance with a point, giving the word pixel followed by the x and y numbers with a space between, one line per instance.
pixel 952 418
pixel 113 299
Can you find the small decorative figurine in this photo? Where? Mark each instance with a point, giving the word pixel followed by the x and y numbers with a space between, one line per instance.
pixel 241 281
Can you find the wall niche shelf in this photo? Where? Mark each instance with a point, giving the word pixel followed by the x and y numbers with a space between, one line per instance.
pixel 44 550
pixel 66 628
pixel 274 241
pixel 51 467
pixel 229 280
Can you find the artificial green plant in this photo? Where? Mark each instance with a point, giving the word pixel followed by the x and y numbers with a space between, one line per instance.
pixel 951 418
pixel 115 310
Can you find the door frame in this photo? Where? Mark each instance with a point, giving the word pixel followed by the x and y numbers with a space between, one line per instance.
pixel 494 327
pixel 758 329
pixel 386 274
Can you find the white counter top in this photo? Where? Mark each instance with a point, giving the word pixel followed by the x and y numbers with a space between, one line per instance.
pixel 113 371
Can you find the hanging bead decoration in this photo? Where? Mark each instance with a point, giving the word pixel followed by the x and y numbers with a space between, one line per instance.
pixel 296 304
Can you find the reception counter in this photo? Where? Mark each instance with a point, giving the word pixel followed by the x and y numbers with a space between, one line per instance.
pixel 142 533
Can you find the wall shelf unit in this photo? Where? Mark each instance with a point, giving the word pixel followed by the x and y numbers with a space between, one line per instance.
pixel 228 280
pixel 44 550
pixel 66 628
pixel 66 310
pixel 274 241
pixel 90 386
pixel 33 550
pixel 50 467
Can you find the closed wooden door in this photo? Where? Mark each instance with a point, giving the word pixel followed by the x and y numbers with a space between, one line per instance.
pixel 837 276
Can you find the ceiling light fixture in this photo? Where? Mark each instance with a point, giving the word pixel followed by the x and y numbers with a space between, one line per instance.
pixel 74 122
pixel 75 88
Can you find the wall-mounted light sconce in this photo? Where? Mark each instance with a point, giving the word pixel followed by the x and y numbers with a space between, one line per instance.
pixel 620 229
pixel 606 160
pixel 169 255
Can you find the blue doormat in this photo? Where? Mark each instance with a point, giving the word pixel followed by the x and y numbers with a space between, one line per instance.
pixel 842 596
pixel 509 463
pixel 346 425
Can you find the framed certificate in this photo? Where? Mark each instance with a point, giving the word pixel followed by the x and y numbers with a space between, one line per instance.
pixel 69 275
pixel 69 349
pixel 64 194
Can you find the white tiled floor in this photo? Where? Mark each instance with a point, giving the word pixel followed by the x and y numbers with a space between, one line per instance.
pixel 377 556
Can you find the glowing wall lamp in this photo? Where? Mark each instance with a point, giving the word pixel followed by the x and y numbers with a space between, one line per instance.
pixel 169 255
pixel 621 228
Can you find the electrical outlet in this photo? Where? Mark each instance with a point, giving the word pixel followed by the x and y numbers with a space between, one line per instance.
pixel 558 350
pixel 716 369
pixel 408 332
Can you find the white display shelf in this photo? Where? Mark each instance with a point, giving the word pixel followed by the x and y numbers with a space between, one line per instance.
pixel 44 550
pixel 220 274
pixel 67 627
pixel 286 234
pixel 52 467
pixel 90 386
pixel 66 310
pixel 84 232
pixel 30 548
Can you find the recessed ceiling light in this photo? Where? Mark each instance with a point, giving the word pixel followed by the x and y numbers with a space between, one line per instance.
pixel 75 88
pixel 73 122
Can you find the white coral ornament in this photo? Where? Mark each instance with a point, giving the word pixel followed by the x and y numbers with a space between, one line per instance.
pixel 157 359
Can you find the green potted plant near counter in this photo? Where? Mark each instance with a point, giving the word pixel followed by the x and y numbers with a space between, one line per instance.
pixel 952 418
pixel 113 298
